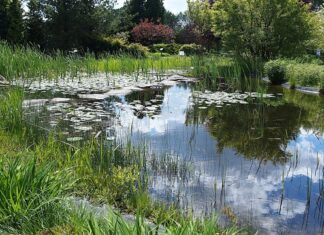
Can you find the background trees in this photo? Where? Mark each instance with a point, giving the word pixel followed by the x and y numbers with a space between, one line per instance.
pixel 259 28
pixel 4 4
pixel 35 31
pixel 263 28
pixel 15 22
pixel 136 9
pixel 152 10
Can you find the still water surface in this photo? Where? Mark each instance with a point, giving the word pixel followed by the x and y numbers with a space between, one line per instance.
pixel 263 161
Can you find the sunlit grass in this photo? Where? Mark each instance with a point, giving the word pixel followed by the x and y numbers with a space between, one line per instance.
pixel 28 63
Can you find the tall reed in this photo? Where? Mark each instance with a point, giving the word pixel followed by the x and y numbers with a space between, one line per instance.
pixel 30 194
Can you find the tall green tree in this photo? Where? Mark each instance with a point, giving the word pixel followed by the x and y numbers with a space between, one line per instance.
pixel 16 25
pixel 259 28
pixel 71 23
pixel 35 27
pixel 3 18
pixel 155 10
pixel 136 8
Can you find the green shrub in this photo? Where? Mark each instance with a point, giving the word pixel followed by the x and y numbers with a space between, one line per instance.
pixel 305 74
pixel 191 49
pixel 276 71
pixel 296 72
pixel 171 49
pixel 137 50
pixel 113 45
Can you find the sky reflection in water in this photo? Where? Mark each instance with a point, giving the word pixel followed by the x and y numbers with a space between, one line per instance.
pixel 272 180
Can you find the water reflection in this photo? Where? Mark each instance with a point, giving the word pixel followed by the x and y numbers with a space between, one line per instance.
pixel 263 160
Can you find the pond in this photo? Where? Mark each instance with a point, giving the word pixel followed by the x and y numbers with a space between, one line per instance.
pixel 258 160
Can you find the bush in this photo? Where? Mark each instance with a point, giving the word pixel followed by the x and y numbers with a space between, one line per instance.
pixel 305 74
pixel 137 50
pixel 276 72
pixel 148 33
pixel 171 48
pixel 192 49
pixel 113 45
pixel 297 73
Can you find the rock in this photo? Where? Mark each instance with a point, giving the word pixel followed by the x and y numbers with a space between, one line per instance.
pixel 60 100
pixel 3 81
pixel 34 103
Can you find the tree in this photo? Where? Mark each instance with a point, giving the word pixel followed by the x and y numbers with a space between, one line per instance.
pixel 71 23
pixel 263 28
pixel 112 21
pixel 34 23
pixel 170 19
pixel 154 10
pixel 136 8
pixel 3 18
pixel 148 33
pixel 15 22
pixel 200 14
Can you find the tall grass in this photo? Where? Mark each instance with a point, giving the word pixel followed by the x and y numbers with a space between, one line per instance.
pixel 227 73
pixel 28 63
pixel 300 72
pixel 11 111
pixel 13 120
pixel 30 194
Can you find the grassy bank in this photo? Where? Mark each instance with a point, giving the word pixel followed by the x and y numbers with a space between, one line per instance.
pixel 40 173
pixel 298 72
pixel 20 62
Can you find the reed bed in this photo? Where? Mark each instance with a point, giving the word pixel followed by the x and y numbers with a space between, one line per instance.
pixel 29 63
pixel 222 72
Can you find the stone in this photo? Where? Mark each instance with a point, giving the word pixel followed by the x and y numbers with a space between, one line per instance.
pixel 3 81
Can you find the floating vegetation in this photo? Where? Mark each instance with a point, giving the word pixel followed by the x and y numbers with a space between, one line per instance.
pixel 220 98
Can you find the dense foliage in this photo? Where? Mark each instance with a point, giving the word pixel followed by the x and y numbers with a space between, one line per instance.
pixel 303 73
pixel 148 33
pixel 263 28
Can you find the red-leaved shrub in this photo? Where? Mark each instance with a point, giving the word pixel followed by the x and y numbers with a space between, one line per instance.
pixel 148 33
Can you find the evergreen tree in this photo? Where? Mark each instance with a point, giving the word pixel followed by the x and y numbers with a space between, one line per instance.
pixel 71 23
pixel 60 15
pixel 34 23
pixel 136 8
pixel 15 23
pixel 3 19
pixel 155 10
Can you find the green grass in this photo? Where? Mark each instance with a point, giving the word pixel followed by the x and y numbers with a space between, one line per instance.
pixel 30 194
pixel 28 63
pixel 221 72
pixel 36 184
pixel 309 73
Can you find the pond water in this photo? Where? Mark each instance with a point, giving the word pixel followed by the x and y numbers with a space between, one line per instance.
pixel 258 160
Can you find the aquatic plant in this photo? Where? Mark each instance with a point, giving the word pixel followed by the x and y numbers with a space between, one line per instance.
pixel 30 194
pixel 29 63
pixel 221 72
